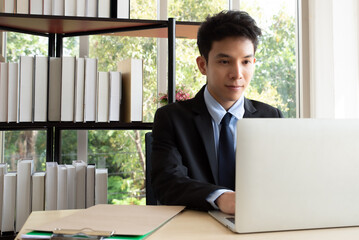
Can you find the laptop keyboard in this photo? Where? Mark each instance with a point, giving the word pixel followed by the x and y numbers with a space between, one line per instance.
pixel 231 219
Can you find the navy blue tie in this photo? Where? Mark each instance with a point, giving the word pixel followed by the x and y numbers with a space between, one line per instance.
pixel 226 155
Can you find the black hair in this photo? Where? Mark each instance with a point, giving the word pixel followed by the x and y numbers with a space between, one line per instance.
pixel 226 24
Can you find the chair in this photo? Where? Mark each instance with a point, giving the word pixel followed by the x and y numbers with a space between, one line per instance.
pixel 150 195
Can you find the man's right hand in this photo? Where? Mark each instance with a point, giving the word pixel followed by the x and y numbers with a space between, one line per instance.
pixel 227 202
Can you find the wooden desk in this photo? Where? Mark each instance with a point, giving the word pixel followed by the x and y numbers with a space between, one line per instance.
pixel 199 225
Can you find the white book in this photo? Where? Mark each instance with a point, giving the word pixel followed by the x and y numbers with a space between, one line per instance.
pixel 22 6
pixel 58 7
pixel 47 8
pixel 81 8
pixel 13 91
pixel 54 111
pixel 3 92
pixel 115 96
pixel 90 186
pixel 71 186
pixel 51 186
pixel 132 84
pixel 40 86
pixel 90 89
pixel 38 191
pixel 9 203
pixel 79 90
pixel 67 89
pixel 104 8
pixel 80 167
pixel 62 187
pixel 123 8
pixel 36 7
pixel 101 186
pixel 9 6
pixel 3 171
pixel 2 9
pixel 26 82
pixel 91 8
pixel 102 96
pixel 25 169
pixel 70 7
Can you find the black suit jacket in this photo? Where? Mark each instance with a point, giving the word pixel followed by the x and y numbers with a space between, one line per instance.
pixel 184 165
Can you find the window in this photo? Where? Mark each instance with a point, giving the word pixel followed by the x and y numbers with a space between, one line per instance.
pixel 274 81
pixel 122 151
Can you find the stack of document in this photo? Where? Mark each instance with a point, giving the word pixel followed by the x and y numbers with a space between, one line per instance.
pixel 107 221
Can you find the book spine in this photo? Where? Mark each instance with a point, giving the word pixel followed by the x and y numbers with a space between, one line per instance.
pixel 3 171
pixel 22 6
pixel 102 97
pixel 40 86
pixel 13 92
pixel 90 186
pixel 58 7
pixel 36 7
pixel 62 188
pixel 80 167
pixel 101 186
pixel 38 192
pixel 47 8
pixel 9 202
pixel 51 186
pixel 3 92
pixel 23 192
pixel 26 88
pixel 54 108
pixel 67 89
pixel 71 187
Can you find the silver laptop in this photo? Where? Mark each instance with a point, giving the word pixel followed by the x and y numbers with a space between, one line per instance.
pixel 295 174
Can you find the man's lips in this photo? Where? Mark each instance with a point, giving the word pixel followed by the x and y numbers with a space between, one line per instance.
pixel 234 87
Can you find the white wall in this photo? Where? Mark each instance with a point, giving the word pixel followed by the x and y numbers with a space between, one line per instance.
pixel 333 56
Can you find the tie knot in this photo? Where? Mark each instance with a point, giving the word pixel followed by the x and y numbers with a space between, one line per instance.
pixel 225 120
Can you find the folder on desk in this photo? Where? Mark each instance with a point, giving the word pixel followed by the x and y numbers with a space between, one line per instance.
pixel 106 220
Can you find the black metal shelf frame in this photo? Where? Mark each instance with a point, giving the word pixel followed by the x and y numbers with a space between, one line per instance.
pixel 55 48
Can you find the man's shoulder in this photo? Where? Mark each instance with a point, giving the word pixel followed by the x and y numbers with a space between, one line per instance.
pixel 256 108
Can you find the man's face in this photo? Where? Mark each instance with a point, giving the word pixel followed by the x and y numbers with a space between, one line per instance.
pixel 229 69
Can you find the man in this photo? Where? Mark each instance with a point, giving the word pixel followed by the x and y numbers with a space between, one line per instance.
pixel 189 165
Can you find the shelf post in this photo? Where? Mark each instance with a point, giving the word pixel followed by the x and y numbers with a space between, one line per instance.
pixel 51 50
pixel 57 153
pixel 59 44
pixel 171 60
pixel 49 144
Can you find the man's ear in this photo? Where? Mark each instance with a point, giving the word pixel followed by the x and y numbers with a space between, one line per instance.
pixel 202 64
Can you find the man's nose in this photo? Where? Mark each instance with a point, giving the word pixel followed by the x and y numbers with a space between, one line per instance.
pixel 236 71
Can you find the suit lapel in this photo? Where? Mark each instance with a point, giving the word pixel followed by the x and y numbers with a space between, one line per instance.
pixel 203 122
pixel 249 109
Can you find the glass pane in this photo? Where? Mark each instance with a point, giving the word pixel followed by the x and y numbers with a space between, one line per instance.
pixel 143 9
pixel 25 145
pixel 187 73
pixel 274 80
pixel 194 10
pixel 68 146
pixel 18 44
pixel 109 50
pixel 71 46
pixel 123 153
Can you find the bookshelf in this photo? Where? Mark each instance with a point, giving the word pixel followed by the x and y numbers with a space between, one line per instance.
pixel 55 28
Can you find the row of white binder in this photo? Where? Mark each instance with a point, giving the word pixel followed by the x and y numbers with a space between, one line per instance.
pixel 69 89
pixel 80 8
pixel 61 187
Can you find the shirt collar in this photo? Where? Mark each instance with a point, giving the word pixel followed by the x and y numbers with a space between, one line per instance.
pixel 217 111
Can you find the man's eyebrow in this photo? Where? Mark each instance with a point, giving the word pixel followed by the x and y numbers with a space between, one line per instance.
pixel 223 55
